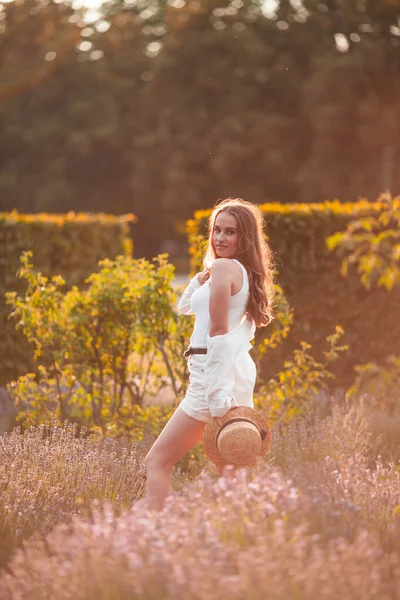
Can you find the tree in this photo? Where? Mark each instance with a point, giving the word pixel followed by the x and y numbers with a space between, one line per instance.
pixel 169 106
pixel 36 39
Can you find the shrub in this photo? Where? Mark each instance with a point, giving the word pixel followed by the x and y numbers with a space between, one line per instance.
pixel 295 389
pixel 100 348
pixel 309 275
pixel 371 244
pixel 378 388
pixel 51 473
pixel 69 245
pixel 323 480
pixel 337 459
pixel 241 536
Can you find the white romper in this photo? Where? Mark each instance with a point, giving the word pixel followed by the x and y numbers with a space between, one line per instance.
pixel 225 376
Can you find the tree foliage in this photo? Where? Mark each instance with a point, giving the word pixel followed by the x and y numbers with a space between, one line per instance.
pixel 160 108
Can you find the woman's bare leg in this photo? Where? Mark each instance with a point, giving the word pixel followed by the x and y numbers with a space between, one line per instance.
pixel 180 435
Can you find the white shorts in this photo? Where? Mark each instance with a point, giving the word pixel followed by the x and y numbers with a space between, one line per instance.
pixel 194 403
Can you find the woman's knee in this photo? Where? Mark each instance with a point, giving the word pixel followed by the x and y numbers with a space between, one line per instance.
pixel 179 435
pixel 155 460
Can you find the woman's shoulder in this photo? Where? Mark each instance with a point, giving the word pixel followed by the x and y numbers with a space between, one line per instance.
pixel 227 267
pixel 222 264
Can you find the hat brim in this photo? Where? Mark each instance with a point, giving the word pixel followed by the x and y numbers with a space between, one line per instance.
pixel 211 431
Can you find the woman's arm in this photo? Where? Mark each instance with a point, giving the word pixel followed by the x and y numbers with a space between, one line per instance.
pixel 184 303
pixel 221 346
pixel 220 296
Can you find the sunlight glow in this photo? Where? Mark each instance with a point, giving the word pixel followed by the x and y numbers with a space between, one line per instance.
pixel 102 26
pixel 269 8
pixel 90 4
pixel 85 46
pixel 153 49
pixel 342 42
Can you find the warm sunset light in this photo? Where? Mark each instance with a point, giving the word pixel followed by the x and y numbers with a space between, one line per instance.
pixel 199 300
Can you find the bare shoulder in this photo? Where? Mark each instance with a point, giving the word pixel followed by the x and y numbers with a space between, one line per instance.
pixel 225 268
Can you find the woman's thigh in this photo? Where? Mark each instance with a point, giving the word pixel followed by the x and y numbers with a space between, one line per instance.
pixel 179 435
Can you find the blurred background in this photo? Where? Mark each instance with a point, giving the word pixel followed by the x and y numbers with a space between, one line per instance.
pixel 160 108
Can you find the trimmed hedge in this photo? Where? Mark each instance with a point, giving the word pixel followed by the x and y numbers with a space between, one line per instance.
pixel 310 277
pixel 69 245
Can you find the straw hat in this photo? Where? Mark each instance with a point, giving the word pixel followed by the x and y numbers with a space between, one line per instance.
pixel 244 437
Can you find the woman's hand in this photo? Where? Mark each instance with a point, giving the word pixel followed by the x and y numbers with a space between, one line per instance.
pixel 200 276
pixel 218 420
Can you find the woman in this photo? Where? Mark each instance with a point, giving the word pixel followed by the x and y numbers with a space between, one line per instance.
pixel 231 297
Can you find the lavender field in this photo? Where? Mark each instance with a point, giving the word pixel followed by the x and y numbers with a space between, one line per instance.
pixel 319 518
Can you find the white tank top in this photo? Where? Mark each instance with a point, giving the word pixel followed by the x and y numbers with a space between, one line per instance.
pixel 200 303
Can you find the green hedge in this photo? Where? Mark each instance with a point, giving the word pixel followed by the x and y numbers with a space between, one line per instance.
pixel 69 245
pixel 310 277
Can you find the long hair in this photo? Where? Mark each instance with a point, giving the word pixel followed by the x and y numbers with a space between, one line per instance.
pixel 253 252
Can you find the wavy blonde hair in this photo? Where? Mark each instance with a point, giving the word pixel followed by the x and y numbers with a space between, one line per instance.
pixel 253 252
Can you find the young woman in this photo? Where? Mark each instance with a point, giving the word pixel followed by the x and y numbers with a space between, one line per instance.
pixel 232 296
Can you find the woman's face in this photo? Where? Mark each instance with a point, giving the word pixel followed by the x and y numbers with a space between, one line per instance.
pixel 225 235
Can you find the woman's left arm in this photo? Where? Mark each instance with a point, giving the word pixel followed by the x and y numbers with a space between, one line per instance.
pixel 220 296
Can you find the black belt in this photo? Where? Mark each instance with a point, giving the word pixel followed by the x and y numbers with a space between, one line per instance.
pixel 192 350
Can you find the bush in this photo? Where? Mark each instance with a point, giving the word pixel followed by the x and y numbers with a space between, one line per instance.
pixel 102 348
pixel 245 535
pixel 323 480
pixel 309 275
pixel 51 473
pixel 296 388
pixel 69 245
pixel 371 244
